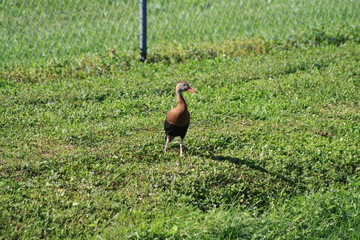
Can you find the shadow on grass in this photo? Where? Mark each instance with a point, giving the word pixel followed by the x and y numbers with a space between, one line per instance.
pixel 251 165
pixel 239 161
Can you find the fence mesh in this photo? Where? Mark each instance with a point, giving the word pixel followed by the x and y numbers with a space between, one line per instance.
pixel 34 30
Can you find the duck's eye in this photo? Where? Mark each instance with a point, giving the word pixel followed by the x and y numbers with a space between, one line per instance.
pixel 184 85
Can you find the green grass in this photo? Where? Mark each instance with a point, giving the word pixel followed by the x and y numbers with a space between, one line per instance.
pixel 273 146
pixel 40 31
pixel 272 149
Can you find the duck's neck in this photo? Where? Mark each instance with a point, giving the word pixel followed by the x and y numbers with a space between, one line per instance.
pixel 180 100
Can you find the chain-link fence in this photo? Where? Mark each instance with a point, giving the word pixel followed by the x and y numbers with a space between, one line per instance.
pixel 34 30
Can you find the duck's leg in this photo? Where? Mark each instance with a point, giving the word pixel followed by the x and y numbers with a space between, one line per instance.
pixel 181 147
pixel 167 143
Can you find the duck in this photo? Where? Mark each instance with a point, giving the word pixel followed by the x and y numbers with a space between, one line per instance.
pixel 177 120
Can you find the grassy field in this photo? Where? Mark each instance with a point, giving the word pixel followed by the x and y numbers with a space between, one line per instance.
pixel 43 30
pixel 272 150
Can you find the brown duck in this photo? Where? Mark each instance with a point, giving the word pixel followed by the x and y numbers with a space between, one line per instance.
pixel 178 119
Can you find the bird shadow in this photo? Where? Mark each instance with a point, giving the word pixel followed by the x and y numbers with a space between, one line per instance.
pixel 239 161
pixel 247 163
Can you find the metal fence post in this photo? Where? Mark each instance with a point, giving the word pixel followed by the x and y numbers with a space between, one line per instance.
pixel 143 29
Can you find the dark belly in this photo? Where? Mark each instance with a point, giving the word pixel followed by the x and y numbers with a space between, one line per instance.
pixel 175 131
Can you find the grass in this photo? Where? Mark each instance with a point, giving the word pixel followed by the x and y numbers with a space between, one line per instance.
pixel 273 146
pixel 40 31
pixel 272 150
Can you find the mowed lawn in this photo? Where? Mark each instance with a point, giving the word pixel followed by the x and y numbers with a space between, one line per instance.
pixel 39 31
pixel 272 151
